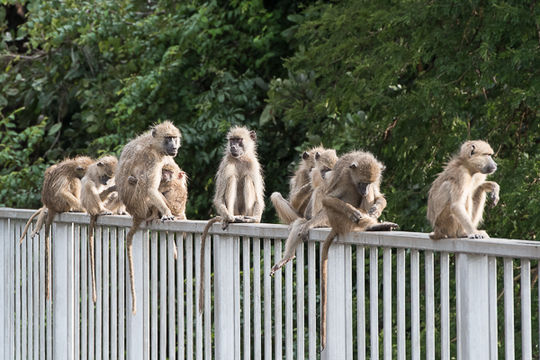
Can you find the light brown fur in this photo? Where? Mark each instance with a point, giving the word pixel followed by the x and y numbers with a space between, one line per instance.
pixel 96 178
pixel 457 197
pixel 315 216
pixel 143 158
pixel 61 192
pixel 239 195
pixel 300 189
pixel 352 201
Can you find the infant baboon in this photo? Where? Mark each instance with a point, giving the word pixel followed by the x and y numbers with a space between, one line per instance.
pixel 239 193
pixel 352 201
pixel 300 189
pixel 143 158
pixel 457 197
pixel 315 216
pixel 92 195
pixel 61 192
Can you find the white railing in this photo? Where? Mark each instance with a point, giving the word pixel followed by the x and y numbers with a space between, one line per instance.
pixel 398 295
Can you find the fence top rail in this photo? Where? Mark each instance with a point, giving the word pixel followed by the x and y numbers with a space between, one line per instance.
pixel 510 248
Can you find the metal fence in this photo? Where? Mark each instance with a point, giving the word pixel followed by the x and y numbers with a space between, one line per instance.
pixel 392 295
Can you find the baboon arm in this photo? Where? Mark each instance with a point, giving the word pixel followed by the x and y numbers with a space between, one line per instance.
pixel 300 196
pixel 340 206
pixel 459 211
pixel 103 195
pixel 258 207
pixel 225 198
pixel 73 202
pixel 155 198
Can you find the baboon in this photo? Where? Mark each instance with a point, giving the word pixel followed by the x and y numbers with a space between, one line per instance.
pixel 457 197
pixel 92 196
pixel 61 192
pixel 315 216
pixel 300 189
pixel 352 201
pixel 239 195
pixel 143 158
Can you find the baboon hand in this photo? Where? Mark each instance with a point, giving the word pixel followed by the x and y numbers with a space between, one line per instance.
pixel 105 212
pixel 167 218
pixel 374 212
pixel 494 194
pixel 480 234
pixel 355 216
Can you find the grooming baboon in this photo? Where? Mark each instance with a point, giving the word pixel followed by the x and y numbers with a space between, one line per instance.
pixel 300 189
pixel 457 197
pixel 352 201
pixel 143 158
pixel 315 216
pixel 92 196
pixel 239 195
pixel 61 192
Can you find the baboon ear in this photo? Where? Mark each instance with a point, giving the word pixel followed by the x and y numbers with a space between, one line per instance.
pixel 305 155
pixel 80 168
pixel 354 165
pixel 180 174
pixel 154 132
pixel 253 135
pixel 473 147
pixel 317 155
pixel 100 164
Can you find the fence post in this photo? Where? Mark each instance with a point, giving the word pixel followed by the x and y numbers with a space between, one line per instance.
pixel 473 325
pixel 339 307
pixel 63 292
pixel 224 296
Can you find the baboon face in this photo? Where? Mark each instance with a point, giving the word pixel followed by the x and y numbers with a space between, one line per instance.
pixel 166 175
pixel 168 138
pixel 325 161
pixel 82 164
pixel 107 168
pixel 478 155
pixel 240 141
pixel 363 174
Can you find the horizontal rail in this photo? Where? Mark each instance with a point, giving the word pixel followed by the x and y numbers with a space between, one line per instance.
pixel 395 239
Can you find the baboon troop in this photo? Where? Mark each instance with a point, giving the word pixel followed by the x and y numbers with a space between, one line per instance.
pixel 239 194
pixel 457 197
pixel 343 193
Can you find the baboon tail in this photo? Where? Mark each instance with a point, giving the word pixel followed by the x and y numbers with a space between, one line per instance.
pixel 25 230
pixel 129 241
pixel 203 245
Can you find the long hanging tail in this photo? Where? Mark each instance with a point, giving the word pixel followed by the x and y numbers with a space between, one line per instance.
pixel 203 243
pixel 129 237
pixel 25 230
pixel 324 281
pixel 91 229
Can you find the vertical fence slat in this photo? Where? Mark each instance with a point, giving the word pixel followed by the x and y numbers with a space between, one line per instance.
pixel 99 283
pixel 430 305
pixel 348 302
pixel 267 299
pixel 415 305
pixel 374 302
pixel 288 311
pixel 208 301
pixel 115 234
pixel 236 287
pixel 493 323
pixel 300 331
pixel 122 281
pixel 24 298
pixel 154 295
pixel 509 309
pixel 445 306
pixel 246 269
pixel 77 288
pixel 85 309
pixel 387 303
pixel 146 293
pixel 257 334
pixel 105 293
pixel 189 297
pixel 18 306
pixel 171 331
pixel 180 296
pixel 163 295
pixel 10 244
pixel 361 302
pixel 135 322
pixel 312 306
pixel 526 346
pixel 35 256
pixel 401 307
pixel 4 310
pixel 277 304
pixel 198 318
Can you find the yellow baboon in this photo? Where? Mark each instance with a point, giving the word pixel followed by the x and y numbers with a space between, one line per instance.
pixel 352 201
pixel 93 183
pixel 143 158
pixel 239 193
pixel 61 192
pixel 457 197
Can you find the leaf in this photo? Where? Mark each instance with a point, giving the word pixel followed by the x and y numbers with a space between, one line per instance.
pixel 55 128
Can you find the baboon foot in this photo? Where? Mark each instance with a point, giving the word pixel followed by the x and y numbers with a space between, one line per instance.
pixel 480 234
pixel 167 218
pixel 384 226
pixel 280 264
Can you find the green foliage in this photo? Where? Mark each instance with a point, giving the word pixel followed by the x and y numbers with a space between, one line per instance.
pixel 410 81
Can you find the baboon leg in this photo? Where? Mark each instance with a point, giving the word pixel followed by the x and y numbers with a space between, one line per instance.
pixel 286 213
pixel 25 230
pixel 324 283
pixel 293 240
